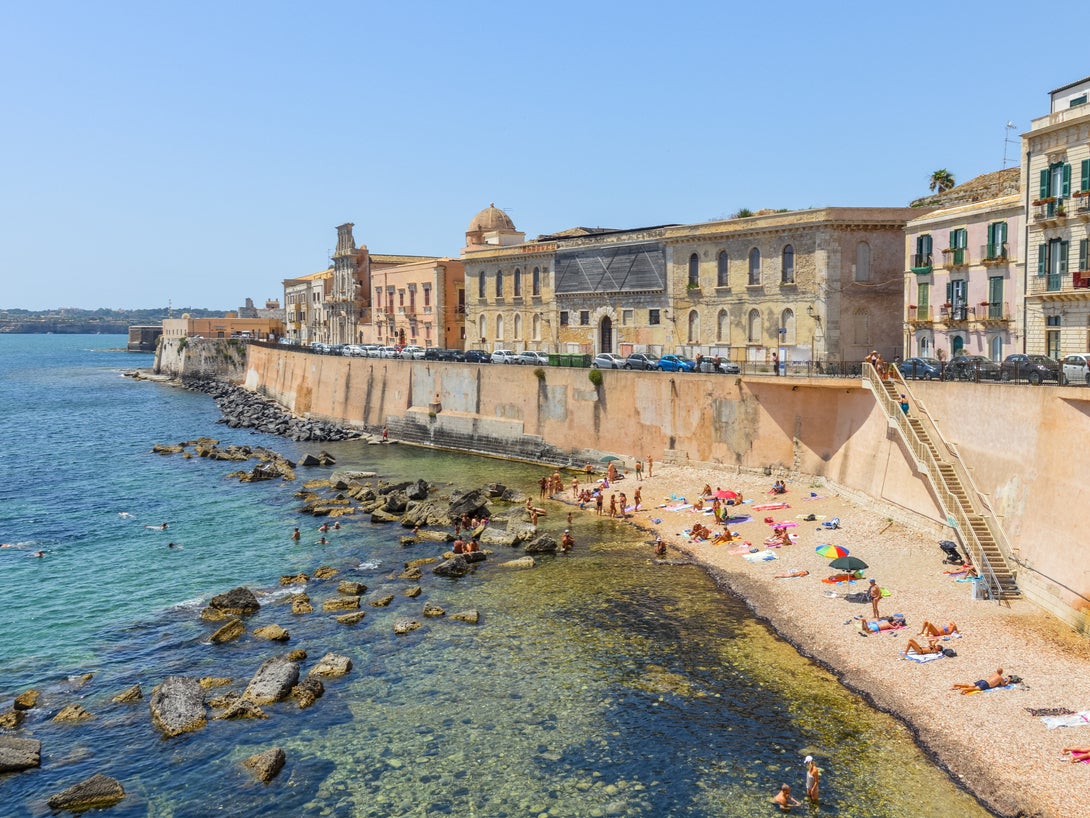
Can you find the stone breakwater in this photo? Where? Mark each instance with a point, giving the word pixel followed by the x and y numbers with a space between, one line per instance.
pixel 243 409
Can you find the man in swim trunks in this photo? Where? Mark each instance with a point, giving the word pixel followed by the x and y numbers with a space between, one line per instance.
pixel 784 800
pixel 997 679
pixel 875 593
pixel 927 629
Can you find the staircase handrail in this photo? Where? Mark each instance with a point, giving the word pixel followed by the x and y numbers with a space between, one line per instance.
pixel 929 465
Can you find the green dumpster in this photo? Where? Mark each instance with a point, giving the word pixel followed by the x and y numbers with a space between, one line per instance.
pixel 554 359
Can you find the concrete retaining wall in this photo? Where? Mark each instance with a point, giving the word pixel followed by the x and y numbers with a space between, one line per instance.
pixel 220 358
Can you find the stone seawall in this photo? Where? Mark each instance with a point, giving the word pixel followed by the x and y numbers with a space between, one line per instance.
pixel 220 358
pixel 1019 442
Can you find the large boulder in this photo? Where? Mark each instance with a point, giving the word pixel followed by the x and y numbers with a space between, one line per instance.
pixel 496 536
pixel 541 545
pixel 177 705
pixel 473 502
pixel 236 602
pixel 396 502
pixel 425 513
pixel 97 792
pixel 230 631
pixel 27 699
pixel 267 765
pixel 273 681
pixel 19 754
pixel 456 566
pixel 521 562
pixel 274 633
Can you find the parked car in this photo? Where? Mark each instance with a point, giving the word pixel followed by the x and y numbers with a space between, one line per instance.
pixel 533 358
pixel 921 369
pixel 433 354
pixel 725 367
pixel 1032 368
pixel 971 368
pixel 477 356
pixel 387 352
pixel 641 360
pixel 676 363
pixel 371 350
pixel 453 355
pixel 607 360
pixel 1076 369
pixel 353 351
pixel 412 353
pixel 504 356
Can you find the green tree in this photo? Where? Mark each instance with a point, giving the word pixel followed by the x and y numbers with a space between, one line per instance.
pixel 942 180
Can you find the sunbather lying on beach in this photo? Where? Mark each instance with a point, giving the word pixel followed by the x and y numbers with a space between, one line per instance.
pixel 1077 754
pixel 789 574
pixel 932 646
pixel 886 623
pixel 997 679
pixel 928 629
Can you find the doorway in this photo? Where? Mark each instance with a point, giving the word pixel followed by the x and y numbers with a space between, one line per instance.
pixel 605 335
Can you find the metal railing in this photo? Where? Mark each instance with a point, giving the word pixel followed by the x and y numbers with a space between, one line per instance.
pixel 994 252
pixel 929 464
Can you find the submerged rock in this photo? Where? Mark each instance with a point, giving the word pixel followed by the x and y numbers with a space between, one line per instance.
pixel 308 691
pixel 97 792
pixel 267 765
pixel 521 562
pixel 351 618
pixel 27 699
pixel 177 705
pixel 332 664
pixel 73 713
pixel 456 566
pixel 431 609
pixel 472 616
pixel 236 602
pixel 231 631
pixel 405 626
pixel 133 694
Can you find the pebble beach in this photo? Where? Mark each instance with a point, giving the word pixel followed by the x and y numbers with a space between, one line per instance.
pixel 989 742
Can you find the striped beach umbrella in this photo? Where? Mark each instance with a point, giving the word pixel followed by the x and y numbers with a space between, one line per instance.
pixel 831 551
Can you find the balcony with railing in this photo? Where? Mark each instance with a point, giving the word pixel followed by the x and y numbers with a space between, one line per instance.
pixel 1049 211
pixel 1060 285
pixel 921 263
pixel 919 314
pixel 993 312
pixel 955 313
pixel 993 254
pixel 1080 204
pixel 954 257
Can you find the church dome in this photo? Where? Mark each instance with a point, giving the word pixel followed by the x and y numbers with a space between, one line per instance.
pixel 491 218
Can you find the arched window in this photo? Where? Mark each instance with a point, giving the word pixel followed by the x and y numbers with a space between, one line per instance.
pixel 499 283
pixel 499 327
pixel 787 274
pixel 518 283
pixel 754 266
pixel 995 348
pixel 924 346
pixel 694 327
pixel 753 327
pixel 862 261
pixel 537 281
pixel 480 285
pixel 537 327
pixel 483 329
pixel 694 270
pixel 957 344
pixel 787 323
pixel 518 326
pixel 721 279
pixel 722 327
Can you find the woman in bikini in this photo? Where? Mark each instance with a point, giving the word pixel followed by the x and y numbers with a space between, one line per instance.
pixel 928 629
pixel 1077 754
pixel 932 646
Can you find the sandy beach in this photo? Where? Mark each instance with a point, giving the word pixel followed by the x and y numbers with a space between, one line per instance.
pixel 989 741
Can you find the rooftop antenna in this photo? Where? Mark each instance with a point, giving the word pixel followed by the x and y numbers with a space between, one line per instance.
pixel 1010 126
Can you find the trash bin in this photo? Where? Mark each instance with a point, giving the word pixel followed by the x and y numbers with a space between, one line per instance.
pixel 554 359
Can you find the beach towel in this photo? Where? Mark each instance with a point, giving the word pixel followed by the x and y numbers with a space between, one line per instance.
pixel 678 507
pixel 786 524
pixel 990 689
pixel 741 518
pixel 1080 719
pixel 921 657
pixel 816 497
pixel 760 556
pixel 770 506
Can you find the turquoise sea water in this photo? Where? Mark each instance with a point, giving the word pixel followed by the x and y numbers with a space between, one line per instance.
pixel 596 684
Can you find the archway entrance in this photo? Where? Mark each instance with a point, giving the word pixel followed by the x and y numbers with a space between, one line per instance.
pixel 605 335
pixel 957 344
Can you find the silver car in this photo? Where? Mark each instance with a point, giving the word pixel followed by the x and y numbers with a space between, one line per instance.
pixel 505 356
pixel 607 360
pixel 533 358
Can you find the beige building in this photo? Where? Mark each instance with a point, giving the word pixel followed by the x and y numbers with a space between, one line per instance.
pixel 1056 178
pixel 306 307
pixel 230 326
pixel 816 285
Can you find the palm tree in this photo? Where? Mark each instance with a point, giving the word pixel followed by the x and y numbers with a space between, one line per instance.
pixel 942 180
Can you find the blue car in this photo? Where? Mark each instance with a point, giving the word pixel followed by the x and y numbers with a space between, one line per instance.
pixel 675 363
pixel 924 369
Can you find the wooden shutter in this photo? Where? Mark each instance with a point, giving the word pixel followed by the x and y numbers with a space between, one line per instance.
pixel 1044 183
pixel 1085 180
pixel 1083 246
pixel 1063 257
pixel 1042 258
pixel 1067 181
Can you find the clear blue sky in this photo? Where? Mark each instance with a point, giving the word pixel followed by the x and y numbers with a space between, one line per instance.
pixel 202 152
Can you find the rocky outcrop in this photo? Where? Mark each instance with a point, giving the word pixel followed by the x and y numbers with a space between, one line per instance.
pixel 433 610
pixel 402 626
pixel 300 604
pixel 97 792
pixel 413 592
pixel 308 691
pixel 472 616
pixel 541 545
pixel 351 618
pixel 456 566
pixel 351 588
pixel 273 633
pixel 229 632
pixel 236 602
pixel 332 664
pixel 27 699
pixel 472 502
pixel 267 765
pixel 19 754
pixel 72 713
pixel 177 705
pixel 341 603
pixel 382 601
pixel 273 681
pixel 133 694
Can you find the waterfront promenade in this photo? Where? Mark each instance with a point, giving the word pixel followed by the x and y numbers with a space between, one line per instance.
pixel 990 742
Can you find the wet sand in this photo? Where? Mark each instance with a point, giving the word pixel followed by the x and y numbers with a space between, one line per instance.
pixel 989 742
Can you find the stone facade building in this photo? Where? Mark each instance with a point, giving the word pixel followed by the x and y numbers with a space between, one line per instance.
pixel 1056 180
pixel 965 273
pixel 305 307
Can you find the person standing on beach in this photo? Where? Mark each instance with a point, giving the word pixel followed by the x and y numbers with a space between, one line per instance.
pixel 599 500
pixel 639 470
pixel 636 500
pixel 650 466
pixel 385 434
pixel 813 779
pixel 875 593
pixel 613 505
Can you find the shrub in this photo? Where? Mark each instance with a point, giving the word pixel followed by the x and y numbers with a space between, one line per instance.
pixel 540 373
pixel 182 343
pixel 595 376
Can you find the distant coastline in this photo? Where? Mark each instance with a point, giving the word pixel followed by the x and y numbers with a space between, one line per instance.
pixel 78 321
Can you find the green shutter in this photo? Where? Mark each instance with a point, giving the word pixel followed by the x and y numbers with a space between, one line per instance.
pixel 1085 181
pixel 1063 258
pixel 1084 245
pixel 949 292
pixel 1042 258
pixel 1001 233
pixel 926 244
pixel 995 289
pixel 1044 183
pixel 1067 181
pixel 993 234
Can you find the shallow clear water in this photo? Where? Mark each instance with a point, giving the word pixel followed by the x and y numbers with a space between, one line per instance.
pixel 594 684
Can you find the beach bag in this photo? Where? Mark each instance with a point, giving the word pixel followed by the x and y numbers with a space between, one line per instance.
pixel 949 652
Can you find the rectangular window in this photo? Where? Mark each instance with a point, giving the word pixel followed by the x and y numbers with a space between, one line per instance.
pixel 995 297
pixel 427 296
pixel 626 317
pixel 563 318
pixel 922 258
pixel 584 318
pixel 997 241
pixel 1084 182
pixel 653 317
pixel 923 301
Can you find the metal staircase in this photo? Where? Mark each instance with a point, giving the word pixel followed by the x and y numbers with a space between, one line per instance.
pixel 966 509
